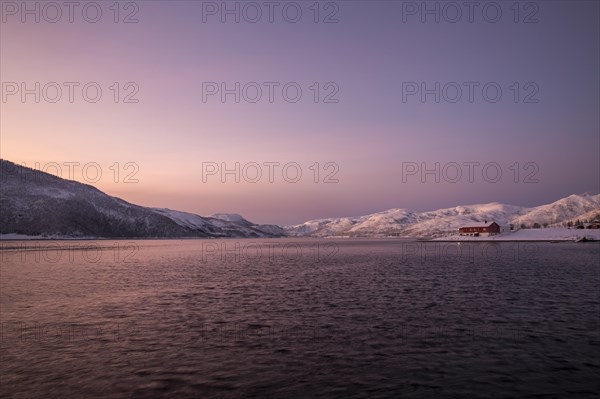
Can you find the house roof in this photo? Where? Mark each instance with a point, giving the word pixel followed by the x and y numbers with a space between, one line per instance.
pixel 478 224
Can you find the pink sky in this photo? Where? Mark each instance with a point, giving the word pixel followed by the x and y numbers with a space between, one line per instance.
pixel 369 133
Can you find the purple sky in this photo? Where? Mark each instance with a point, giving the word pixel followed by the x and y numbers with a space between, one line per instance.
pixel 371 58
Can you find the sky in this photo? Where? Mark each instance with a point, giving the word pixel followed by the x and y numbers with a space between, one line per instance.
pixel 290 111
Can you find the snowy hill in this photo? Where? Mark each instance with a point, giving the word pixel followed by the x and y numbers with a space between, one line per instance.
pixel 572 207
pixel 221 225
pixel 445 222
pixel 231 217
pixel 34 203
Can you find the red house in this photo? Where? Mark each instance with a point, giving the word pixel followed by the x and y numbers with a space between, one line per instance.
pixel 480 229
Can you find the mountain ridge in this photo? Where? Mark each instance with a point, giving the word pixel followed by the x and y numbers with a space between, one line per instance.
pixel 35 203
pixel 433 224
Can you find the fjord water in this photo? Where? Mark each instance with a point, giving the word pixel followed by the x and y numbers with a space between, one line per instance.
pixel 299 318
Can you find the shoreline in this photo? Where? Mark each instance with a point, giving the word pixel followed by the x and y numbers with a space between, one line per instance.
pixel 405 239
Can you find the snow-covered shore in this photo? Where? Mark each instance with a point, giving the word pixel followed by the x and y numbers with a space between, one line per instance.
pixel 19 237
pixel 547 234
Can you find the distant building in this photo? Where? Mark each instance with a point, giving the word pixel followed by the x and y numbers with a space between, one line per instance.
pixel 476 229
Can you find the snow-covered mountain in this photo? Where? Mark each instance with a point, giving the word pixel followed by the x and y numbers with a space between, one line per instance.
pixel 571 208
pixel 239 220
pixel 231 217
pixel 222 224
pixel 39 204
pixel 35 203
pixel 443 222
